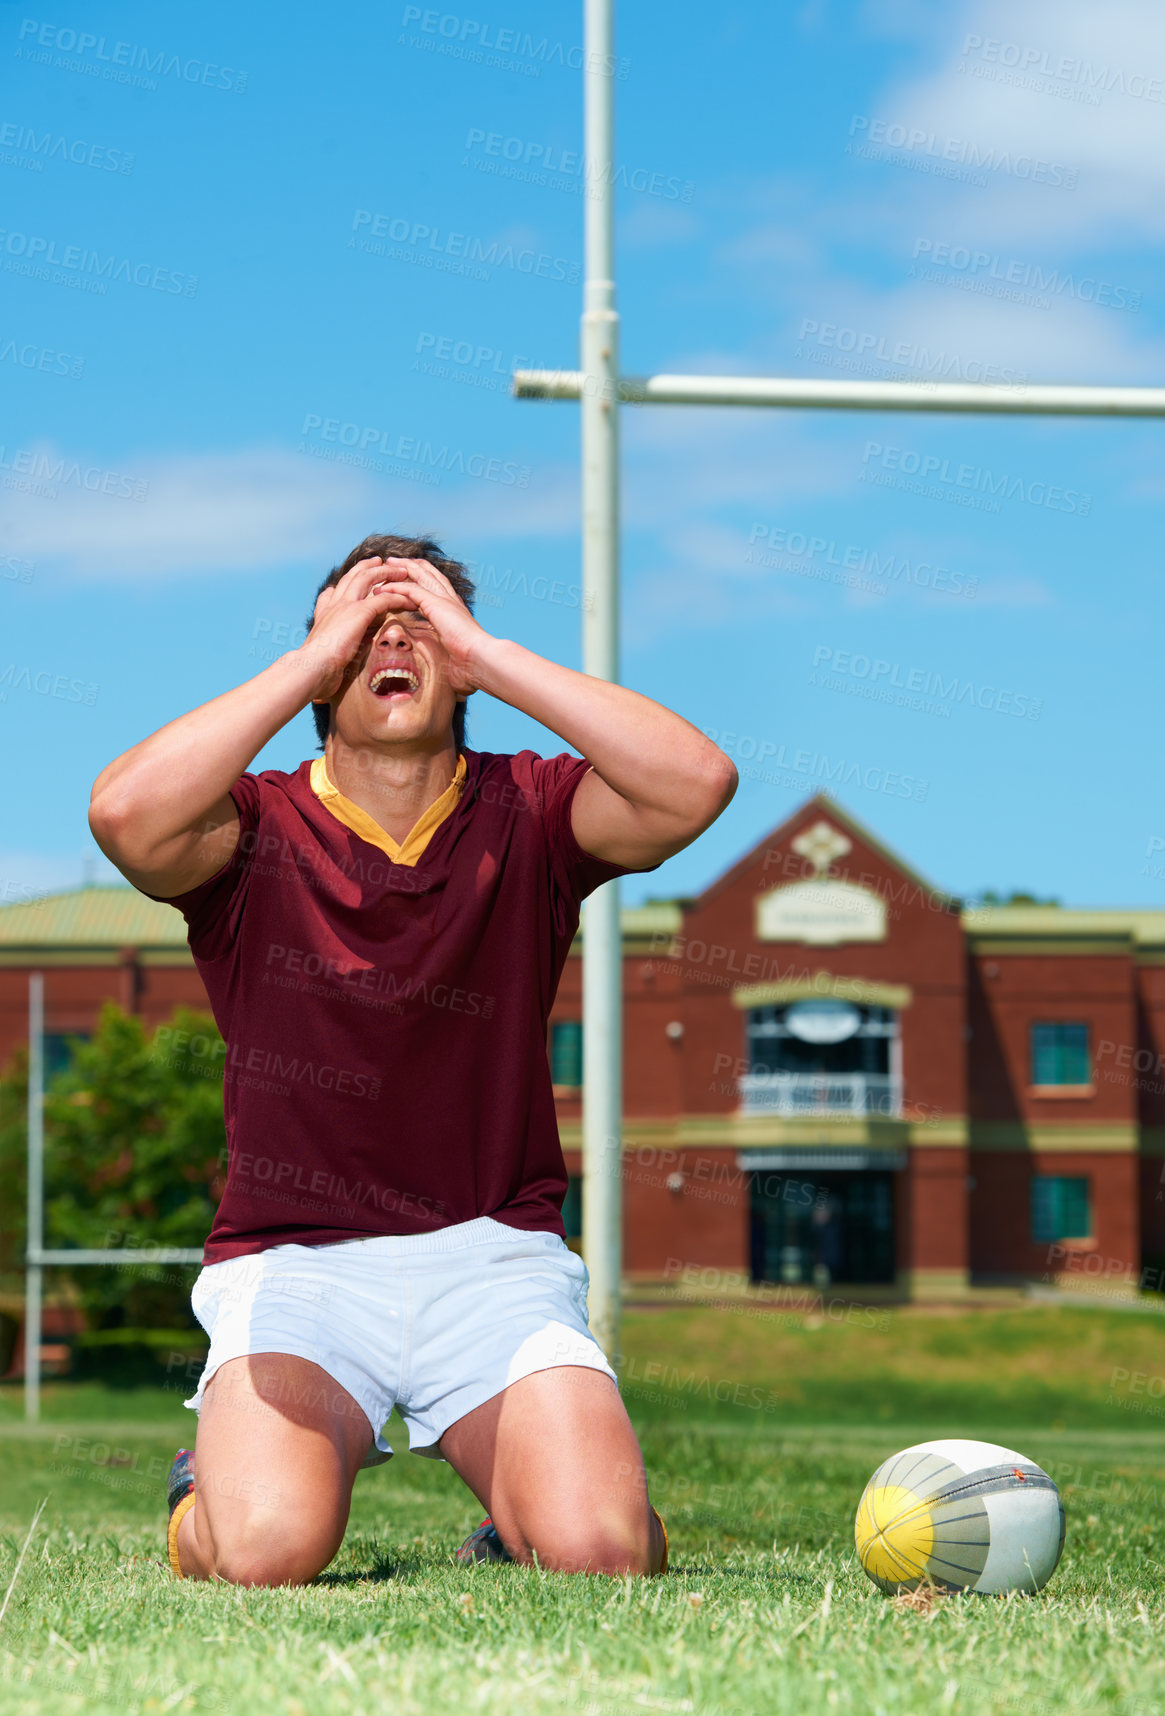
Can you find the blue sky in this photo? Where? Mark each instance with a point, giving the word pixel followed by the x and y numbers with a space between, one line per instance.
pixel 238 246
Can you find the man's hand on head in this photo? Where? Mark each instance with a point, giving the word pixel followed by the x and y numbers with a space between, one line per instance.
pixel 349 613
pixel 416 588
pixel 345 616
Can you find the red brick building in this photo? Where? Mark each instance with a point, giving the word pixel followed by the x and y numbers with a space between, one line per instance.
pixel 833 1074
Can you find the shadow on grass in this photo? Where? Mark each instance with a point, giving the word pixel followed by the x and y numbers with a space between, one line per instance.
pixel 706 1569
pixel 382 1572
pixel 377 1575
pixel 382 1567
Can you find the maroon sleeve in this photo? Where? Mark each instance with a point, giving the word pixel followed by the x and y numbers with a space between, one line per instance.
pixel 574 873
pixel 213 909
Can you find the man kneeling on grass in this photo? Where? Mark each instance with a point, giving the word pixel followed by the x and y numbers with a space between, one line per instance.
pixel 381 934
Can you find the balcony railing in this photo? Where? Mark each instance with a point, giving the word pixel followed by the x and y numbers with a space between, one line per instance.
pixel 820 1094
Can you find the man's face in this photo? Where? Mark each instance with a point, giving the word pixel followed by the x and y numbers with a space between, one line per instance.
pixel 397 688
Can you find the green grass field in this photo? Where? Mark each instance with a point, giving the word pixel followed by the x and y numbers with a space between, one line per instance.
pixel 760 1432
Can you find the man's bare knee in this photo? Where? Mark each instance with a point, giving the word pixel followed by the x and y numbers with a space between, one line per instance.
pixel 612 1546
pixel 268 1566
pixel 268 1555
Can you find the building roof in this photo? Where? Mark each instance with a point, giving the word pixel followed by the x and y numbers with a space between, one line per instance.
pixel 91 917
pixel 116 917
pixel 1036 923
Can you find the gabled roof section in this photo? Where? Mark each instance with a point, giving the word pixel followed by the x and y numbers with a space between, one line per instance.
pixel 91 918
pixel 999 924
pixel 821 804
pixel 118 917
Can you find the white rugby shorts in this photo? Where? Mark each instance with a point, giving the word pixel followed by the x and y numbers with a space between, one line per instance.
pixel 434 1324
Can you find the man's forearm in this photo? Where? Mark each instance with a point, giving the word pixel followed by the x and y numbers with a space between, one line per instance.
pixel 171 781
pixel 649 755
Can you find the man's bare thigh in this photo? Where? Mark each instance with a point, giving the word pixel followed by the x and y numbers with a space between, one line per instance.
pixel 278 1448
pixel 555 1461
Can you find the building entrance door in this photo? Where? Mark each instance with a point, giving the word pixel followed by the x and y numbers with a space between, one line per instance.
pixel 814 1227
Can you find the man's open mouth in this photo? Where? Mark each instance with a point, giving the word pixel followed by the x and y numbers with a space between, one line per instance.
pixel 394 682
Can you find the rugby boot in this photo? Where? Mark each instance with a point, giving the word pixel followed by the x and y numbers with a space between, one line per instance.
pixel 179 1501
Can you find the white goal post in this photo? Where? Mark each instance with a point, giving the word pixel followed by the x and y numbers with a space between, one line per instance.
pixel 600 389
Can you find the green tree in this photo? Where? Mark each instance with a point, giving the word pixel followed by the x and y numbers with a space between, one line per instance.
pixel 13 1140
pixel 134 1157
pixel 1017 897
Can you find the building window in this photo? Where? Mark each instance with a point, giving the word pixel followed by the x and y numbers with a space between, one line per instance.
pixel 566 1058
pixel 822 1056
pixel 1060 1208
pixel 1059 1054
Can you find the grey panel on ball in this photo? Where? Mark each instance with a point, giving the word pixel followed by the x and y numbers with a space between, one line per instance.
pixel 962 1537
pixel 993 1480
pixel 918 1470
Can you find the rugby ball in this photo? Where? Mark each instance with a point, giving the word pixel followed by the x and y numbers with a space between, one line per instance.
pixel 961 1516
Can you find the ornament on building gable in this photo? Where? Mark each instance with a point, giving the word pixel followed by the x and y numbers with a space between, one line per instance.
pixel 821 844
pixel 821 911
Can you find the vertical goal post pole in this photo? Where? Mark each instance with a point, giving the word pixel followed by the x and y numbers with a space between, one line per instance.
pixel 602 1124
pixel 34 1236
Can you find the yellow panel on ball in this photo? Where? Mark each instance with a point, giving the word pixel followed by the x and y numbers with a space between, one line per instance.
pixel 894 1533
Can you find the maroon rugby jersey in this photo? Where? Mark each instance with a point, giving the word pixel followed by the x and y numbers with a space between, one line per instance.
pixel 386 1067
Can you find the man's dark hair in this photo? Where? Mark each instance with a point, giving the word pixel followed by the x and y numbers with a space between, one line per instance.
pixel 398 548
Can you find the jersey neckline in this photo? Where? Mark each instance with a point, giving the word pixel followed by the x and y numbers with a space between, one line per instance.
pixel 365 826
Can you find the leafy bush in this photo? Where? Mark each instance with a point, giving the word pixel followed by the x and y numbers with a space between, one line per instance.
pixel 135 1156
pixel 128 1357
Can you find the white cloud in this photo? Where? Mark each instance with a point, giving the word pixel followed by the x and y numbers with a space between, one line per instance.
pixel 833 324
pixel 935 331
pixel 1072 49
pixel 251 509
pixel 792 230
pixel 202 512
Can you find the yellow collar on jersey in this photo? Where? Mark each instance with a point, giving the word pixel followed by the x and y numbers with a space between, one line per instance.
pixel 359 821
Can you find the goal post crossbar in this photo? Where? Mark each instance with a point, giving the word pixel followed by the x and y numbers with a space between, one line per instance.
pixel 806 392
pixel 144 1256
